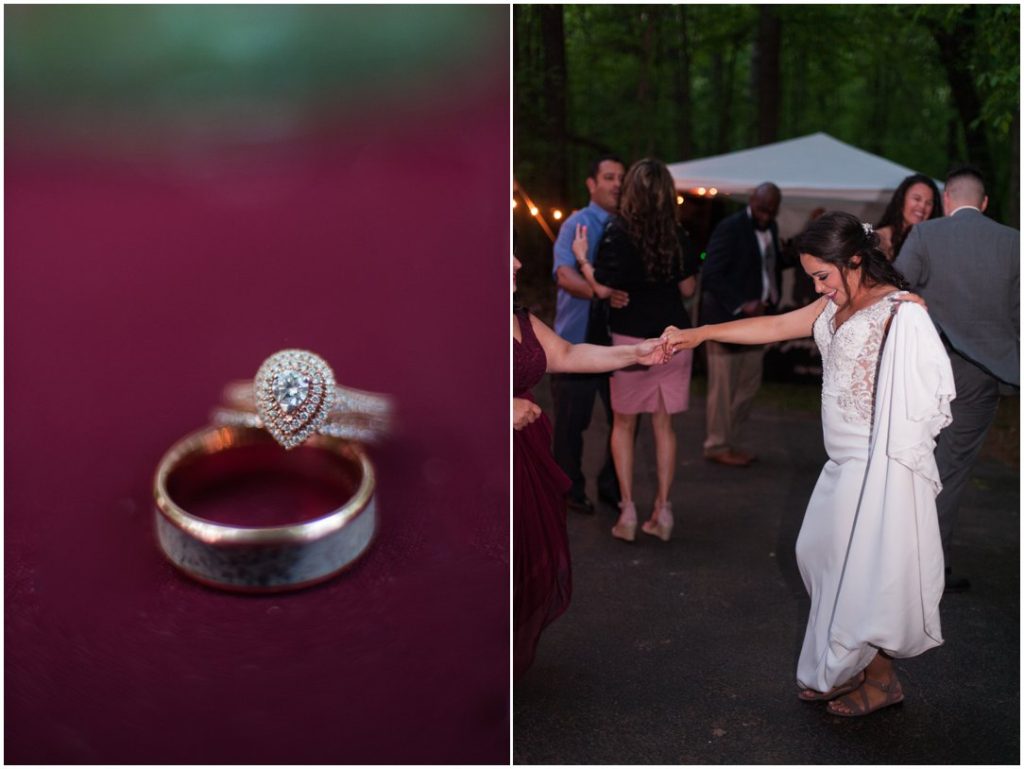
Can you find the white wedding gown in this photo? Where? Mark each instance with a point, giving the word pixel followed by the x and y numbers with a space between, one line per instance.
pixel 869 550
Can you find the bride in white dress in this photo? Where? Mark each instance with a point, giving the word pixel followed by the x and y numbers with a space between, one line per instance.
pixel 869 549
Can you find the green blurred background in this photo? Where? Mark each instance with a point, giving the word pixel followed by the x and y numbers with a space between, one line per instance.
pixel 76 70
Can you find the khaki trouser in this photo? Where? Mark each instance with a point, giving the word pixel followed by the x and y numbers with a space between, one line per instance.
pixel 734 377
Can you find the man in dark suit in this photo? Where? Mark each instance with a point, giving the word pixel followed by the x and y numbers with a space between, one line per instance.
pixel 967 267
pixel 739 280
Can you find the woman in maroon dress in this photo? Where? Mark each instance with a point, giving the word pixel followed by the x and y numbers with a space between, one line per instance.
pixel 541 577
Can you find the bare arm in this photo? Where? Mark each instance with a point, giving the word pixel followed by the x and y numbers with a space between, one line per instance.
pixel 564 357
pixel 600 290
pixel 688 286
pixel 615 297
pixel 760 330
pixel 571 281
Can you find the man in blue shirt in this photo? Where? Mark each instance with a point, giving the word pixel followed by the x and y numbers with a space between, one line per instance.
pixel 574 393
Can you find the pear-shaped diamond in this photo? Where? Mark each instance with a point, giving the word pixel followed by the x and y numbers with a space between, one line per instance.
pixel 290 390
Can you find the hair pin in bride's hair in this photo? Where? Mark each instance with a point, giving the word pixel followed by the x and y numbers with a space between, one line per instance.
pixel 868 229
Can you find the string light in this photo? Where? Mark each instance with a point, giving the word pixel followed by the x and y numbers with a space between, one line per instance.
pixel 534 210
pixel 557 215
pixel 679 200
pixel 515 203
pixel 701 190
pixel 712 192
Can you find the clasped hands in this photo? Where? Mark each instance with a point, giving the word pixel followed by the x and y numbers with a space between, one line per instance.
pixel 675 339
pixel 652 352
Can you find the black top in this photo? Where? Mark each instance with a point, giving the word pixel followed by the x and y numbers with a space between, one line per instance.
pixel 653 304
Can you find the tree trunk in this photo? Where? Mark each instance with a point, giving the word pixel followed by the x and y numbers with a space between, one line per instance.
pixel 955 47
pixel 552 35
pixel 880 108
pixel 797 97
pixel 723 71
pixel 649 19
pixel 681 83
pixel 953 139
pixel 766 73
pixel 714 141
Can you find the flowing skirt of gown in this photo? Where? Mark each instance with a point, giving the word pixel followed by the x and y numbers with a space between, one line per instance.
pixel 869 549
pixel 541 575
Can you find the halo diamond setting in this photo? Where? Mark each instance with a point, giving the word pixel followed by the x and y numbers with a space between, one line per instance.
pixel 294 390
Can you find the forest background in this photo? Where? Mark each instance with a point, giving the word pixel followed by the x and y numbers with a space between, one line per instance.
pixel 925 86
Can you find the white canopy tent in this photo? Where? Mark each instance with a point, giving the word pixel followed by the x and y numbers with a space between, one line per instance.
pixel 811 171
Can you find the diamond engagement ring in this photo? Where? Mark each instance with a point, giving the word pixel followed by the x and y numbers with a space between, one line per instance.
pixel 294 396
pixel 261 558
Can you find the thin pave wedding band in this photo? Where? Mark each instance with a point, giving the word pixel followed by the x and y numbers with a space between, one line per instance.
pixel 267 558
pixel 352 427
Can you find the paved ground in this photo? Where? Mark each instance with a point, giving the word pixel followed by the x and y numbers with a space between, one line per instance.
pixel 685 652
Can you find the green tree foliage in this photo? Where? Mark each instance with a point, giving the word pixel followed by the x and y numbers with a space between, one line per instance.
pixel 681 81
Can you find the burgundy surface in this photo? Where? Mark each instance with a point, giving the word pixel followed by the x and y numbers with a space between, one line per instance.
pixel 541 570
pixel 134 291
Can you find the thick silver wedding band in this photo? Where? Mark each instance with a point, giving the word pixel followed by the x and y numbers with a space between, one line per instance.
pixel 270 558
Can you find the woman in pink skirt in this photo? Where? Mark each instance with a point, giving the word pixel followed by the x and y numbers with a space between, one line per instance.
pixel 646 254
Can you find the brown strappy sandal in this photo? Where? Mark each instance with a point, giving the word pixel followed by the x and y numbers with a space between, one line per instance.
pixel 836 691
pixel 861 706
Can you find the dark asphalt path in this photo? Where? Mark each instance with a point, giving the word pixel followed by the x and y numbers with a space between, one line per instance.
pixel 685 652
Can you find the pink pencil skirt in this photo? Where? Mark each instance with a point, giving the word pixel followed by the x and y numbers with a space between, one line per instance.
pixel 641 389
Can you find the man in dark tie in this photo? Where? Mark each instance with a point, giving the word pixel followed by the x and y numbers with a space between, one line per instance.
pixel 739 280
pixel 967 267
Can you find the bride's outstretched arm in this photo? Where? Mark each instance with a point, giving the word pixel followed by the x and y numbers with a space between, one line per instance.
pixel 760 330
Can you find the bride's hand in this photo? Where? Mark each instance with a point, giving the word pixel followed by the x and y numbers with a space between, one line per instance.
pixel 912 297
pixel 676 339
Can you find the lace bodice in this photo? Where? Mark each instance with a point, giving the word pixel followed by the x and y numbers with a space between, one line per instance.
pixel 849 356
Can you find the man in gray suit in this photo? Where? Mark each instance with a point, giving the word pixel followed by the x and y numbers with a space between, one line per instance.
pixel 967 268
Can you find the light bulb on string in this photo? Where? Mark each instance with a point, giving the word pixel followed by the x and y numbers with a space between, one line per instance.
pixel 534 210
pixel 556 215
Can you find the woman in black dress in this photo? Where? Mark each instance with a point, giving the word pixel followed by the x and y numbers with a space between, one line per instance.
pixel 645 253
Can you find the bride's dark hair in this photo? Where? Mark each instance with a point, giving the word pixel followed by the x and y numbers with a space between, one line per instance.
pixel 837 237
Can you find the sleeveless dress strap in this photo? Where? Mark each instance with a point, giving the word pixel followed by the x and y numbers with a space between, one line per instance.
pixel 526 328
